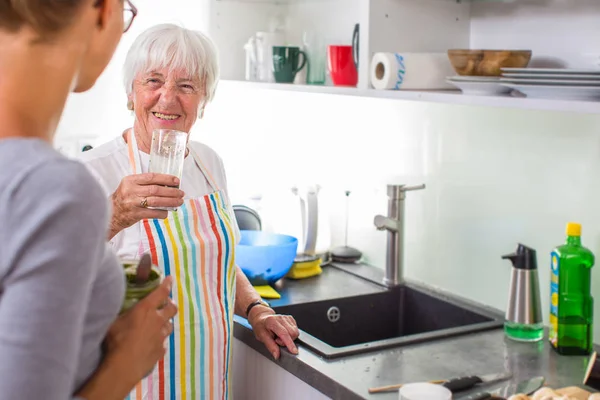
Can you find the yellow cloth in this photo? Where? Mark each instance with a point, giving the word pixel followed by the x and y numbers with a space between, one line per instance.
pixel 267 292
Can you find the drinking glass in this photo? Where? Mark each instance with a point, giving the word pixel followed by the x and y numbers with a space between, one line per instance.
pixel 316 51
pixel 167 154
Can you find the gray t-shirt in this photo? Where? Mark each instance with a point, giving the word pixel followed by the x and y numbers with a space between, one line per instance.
pixel 60 285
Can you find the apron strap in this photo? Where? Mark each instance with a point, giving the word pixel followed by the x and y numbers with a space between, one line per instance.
pixel 204 170
pixel 134 155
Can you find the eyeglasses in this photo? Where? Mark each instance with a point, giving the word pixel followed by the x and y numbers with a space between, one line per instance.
pixel 129 14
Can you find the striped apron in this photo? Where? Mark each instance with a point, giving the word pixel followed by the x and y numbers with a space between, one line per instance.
pixel 195 245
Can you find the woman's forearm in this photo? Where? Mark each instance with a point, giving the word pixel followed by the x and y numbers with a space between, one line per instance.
pixel 244 293
pixel 114 228
pixel 116 220
pixel 108 382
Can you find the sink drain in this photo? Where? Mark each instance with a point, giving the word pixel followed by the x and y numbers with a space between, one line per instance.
pixel 333 314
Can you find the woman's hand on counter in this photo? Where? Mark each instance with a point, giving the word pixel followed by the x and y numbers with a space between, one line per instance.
pixel 274 330
pixel 136 193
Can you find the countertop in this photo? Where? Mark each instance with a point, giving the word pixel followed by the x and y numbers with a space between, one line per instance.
pixel 351 377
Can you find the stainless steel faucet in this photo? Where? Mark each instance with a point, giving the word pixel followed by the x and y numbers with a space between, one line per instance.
pixel 394 224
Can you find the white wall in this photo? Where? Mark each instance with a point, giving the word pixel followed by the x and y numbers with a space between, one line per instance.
pixel 561 33
pixel 494 177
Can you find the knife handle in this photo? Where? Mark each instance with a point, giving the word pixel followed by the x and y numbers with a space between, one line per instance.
pixel 458 384
pixel 478 396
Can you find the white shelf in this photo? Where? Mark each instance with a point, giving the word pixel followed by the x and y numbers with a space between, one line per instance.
pixel 324 1
pixel 444 97
pixel 276 1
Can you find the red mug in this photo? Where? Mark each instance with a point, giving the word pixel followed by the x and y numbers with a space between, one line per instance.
pixel 341 65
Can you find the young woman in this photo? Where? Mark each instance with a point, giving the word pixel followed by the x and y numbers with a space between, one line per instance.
pixel 61 287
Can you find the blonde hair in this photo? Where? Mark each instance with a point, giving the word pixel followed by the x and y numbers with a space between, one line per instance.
pixel 46 17
pixel 175 47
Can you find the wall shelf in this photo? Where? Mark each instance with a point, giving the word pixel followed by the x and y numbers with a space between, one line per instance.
pixel 443 97
pixel 561 34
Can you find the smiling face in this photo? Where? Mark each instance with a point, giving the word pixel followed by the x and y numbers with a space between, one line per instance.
pixel 166 99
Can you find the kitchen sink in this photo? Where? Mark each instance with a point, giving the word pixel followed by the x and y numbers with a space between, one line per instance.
pixel 390 318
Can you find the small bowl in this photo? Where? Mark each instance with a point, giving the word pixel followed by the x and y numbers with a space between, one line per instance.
pixel 487 62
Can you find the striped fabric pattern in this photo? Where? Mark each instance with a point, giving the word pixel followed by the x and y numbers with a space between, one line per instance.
pixel 195 245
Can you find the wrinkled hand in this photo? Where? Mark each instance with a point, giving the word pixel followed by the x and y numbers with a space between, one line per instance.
pixel 137 338
pixel 274 330
pixel 128 199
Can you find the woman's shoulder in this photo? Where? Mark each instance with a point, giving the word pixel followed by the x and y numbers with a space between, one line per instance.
pixel 212 161
pixel 54 188
pixel 65 180
pixel 107 163
pixel 34 166
pixel 106 151
pixel 207 154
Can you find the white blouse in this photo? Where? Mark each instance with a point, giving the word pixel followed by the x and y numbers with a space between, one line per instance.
pixel 109 163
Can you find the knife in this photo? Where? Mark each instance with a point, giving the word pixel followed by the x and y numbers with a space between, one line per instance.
pixel 454 385
pixel 527 387
pixel 468 382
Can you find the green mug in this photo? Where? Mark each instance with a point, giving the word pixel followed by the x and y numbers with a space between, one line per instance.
pixel 286 63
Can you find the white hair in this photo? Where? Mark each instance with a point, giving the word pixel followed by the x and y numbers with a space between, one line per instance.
pixel 169 45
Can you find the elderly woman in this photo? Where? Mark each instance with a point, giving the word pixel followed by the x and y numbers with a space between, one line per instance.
pixel 61 286
pixel 170 75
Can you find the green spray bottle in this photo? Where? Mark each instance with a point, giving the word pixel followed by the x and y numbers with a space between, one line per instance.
pixel 571 302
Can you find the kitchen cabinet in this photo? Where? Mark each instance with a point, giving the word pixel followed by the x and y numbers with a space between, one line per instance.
pixel 255 377
pixel 561 33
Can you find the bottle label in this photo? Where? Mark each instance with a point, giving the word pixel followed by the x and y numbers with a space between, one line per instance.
pixel 554 268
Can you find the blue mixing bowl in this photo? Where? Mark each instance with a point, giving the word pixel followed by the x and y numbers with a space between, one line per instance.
pixel 265 257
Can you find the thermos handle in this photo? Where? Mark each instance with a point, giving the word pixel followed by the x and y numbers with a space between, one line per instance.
pixel 309 211
pixel 355 45
pixel 312 221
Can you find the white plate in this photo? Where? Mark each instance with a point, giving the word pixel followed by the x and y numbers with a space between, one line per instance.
pixel 554 82
pixel 551 76
pixel 585 93
pixel 463 78
pixel 481 88
pixel 569 71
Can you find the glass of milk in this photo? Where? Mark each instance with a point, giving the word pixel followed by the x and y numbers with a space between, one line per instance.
pixel 167 154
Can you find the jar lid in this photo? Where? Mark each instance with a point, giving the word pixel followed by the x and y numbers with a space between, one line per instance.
pixel 424 391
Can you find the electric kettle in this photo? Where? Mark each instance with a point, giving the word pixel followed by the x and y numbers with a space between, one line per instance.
pixel 302 212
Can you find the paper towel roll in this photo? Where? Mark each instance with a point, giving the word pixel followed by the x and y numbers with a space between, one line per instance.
pixel 413 71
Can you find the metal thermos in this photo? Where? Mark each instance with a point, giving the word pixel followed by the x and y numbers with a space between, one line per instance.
pixel 524 311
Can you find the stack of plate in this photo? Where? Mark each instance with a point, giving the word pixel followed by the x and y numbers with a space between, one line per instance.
pixel 479 85
pixel 554 83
